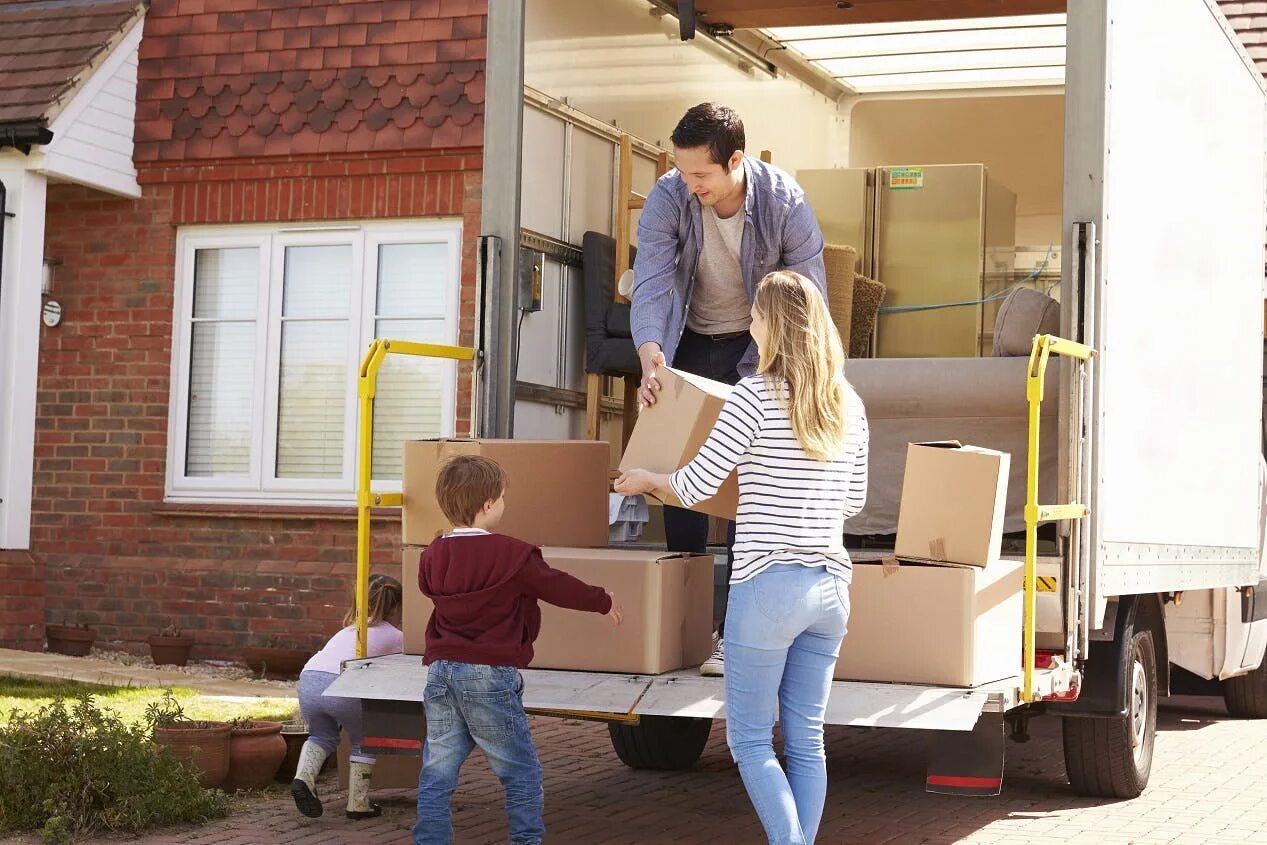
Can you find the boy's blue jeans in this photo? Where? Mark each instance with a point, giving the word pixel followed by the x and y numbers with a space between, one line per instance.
pixel 471 705
pixel 783 633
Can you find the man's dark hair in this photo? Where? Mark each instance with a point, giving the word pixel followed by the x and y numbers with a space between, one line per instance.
pixel 713 126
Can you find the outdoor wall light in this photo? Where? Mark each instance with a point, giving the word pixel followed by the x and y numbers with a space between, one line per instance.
pixel 51 313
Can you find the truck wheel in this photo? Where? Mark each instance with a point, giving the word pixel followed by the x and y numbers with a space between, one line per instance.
pixel 1246 696
pixel 1111 757
pixel 660 742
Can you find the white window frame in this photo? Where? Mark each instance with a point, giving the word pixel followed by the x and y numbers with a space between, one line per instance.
pixel 260 485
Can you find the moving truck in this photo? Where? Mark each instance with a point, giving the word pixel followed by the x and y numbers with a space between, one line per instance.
pixel 1132 135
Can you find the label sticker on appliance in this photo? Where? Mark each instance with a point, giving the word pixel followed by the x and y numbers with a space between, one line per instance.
pixel 906 178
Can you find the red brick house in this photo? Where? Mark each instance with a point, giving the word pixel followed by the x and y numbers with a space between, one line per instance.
pixel 287 180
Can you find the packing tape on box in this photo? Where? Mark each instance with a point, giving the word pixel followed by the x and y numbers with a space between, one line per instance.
pixel 937 548
pixel 889 566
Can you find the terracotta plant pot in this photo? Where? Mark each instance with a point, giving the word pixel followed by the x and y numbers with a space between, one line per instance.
pixel 255 753
pixel 170 651
pixel 282 664
pixel 295 734
pixel 66 639
pixel 205 745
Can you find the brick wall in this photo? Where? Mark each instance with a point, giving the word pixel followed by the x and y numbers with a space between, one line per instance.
pixel 113 554
pixel 21 600
pixel 295 111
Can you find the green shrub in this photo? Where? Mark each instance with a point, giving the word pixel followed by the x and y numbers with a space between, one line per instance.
pixel 77 769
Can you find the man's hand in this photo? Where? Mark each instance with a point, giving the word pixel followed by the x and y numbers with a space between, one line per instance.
pixel 615 614
pixel 651 357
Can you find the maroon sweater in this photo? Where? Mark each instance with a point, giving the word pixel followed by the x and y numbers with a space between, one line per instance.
pixel 485 588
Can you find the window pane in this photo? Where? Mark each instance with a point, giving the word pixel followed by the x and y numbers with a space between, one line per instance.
pixel 318 281
pixel 225 283
pixel 408 403
pixel 311 399
pixel 413 280
pixel 221 367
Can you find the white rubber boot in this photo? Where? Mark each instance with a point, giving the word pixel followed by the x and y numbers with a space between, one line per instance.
pixel 359 806
pixel 304 787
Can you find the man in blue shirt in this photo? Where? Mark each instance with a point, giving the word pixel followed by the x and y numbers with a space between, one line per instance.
pixel 709 231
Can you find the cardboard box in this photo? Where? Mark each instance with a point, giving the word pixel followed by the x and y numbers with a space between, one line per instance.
pixel 956 626
pixel 670 433
pixel 391 771
pixel 556 491
pixel 953 501
pixel 667 599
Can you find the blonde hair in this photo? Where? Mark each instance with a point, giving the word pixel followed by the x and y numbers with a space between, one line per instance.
pixel 803 351
pixel 384 600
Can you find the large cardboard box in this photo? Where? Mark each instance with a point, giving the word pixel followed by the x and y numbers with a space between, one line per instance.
pixel 666 597
pixel 953 501
pixel 669 433
pixel 391 771
pixel 556 491
pixel 956 626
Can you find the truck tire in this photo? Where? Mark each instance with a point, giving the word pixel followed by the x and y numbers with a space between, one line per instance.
pixel 664 743
pixel 1111 757
pixel 1246 696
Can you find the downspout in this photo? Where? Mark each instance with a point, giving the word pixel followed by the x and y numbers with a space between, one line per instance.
pixel 4 227
pixel 20 136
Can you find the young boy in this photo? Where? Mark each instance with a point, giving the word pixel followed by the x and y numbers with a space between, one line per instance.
pixel 485 588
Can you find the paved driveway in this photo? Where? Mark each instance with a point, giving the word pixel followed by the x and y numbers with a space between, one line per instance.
pixel 1209 787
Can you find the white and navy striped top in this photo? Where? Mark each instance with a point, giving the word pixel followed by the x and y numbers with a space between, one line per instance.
pixel 792 507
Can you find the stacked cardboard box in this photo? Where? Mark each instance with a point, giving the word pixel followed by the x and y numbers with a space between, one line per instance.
pixel 946 610
pixel 666 598
pixel 556 490
pixel 557 498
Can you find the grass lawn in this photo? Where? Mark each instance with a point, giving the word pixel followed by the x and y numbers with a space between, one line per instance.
pixel 130 702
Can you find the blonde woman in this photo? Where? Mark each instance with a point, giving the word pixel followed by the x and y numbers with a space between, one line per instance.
pixel 797 432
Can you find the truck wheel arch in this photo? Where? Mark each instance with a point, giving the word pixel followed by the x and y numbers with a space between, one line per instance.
pixel 1103 692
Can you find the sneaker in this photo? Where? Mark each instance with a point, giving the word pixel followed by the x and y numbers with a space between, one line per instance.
pixel 715 666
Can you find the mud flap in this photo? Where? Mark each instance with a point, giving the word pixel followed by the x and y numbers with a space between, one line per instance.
pixel 392 727
pixel 968 762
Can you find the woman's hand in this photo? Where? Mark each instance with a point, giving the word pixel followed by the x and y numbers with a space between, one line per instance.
pixel 637 481
pixel 616 615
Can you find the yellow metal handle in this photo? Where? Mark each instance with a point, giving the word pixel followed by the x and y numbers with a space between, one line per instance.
pixel 366 387
pixel 1045 345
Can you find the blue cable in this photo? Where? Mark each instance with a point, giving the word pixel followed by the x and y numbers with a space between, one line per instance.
pixel 905 309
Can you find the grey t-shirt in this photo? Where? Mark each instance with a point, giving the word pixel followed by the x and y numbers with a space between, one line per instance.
pixel 719 300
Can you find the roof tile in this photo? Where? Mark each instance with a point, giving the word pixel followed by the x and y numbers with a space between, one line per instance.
pixel 292 76
pixel 49 48
pixel 1246 19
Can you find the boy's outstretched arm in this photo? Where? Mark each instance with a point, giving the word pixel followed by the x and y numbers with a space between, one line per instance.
pixel 539 580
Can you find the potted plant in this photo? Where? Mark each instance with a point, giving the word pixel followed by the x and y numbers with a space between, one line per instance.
pixel 256 749
pixel 274 661
pixel 169 647
pixel 294 734
pixel 204 745
pixel 75 640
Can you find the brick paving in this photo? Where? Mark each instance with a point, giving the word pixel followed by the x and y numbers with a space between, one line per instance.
pixel 1207 789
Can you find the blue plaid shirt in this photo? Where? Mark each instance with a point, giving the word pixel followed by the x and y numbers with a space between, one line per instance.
pixel 780 233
